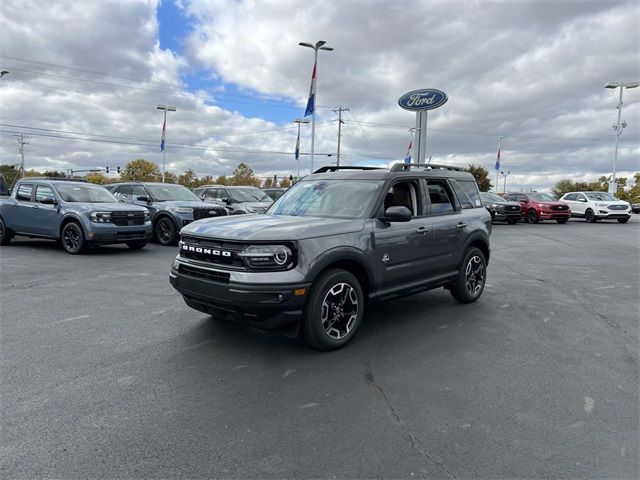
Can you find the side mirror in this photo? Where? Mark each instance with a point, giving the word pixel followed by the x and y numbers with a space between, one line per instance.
pixel 582 200
pixel 49 201
pixel 143 198
pixel 397 214
pixel 225 200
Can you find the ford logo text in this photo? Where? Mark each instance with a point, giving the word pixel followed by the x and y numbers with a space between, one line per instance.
pixel 205 251
pixel 426 99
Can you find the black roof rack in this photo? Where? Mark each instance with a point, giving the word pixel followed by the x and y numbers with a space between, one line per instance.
pixel 401 167
pixel 56 179
pixel 334 168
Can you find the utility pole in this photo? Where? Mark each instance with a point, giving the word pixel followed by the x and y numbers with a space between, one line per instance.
pixel 339 111
pixel 21 144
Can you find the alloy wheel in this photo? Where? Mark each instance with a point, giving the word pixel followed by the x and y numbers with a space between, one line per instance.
pixel 71 238
pixel 339 310
pixel 165 230
pixel 474 275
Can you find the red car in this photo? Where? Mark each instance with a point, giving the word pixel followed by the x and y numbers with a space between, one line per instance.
pixel 540 206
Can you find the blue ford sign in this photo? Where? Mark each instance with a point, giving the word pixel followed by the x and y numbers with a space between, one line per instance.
pixel 425 99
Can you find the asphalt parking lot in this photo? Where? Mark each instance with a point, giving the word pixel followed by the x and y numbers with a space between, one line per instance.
pixel 107 373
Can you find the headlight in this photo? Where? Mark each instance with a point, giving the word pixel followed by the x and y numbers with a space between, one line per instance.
pixel 267 256
pixel 147 217
pixel 250 210
pixel 101 217
pixel 181 209
pixel 601 204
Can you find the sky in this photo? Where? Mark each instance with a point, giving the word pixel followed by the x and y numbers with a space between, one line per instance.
pixel 85 79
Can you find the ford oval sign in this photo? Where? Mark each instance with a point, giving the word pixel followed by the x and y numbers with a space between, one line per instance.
pixel 426 99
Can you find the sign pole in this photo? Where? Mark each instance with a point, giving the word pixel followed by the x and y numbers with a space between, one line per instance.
pixel 421 101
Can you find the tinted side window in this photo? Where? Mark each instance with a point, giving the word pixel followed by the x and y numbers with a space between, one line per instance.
pixel 42 192
pixel 571 196
pixel 471 189
pixel 440 199
pixel 138 190
pixel 24 193
pixel 123 192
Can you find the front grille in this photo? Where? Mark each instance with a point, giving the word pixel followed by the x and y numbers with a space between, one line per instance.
pixel 217 277
pixel 512 208
pixel 208 212
pixel 213 251
pixel 137 235
pixel 559 208
pixel 123 219
pixel 617 207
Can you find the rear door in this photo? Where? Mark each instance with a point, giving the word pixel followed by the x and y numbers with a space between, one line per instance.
pixel 21 215
pixel 444 216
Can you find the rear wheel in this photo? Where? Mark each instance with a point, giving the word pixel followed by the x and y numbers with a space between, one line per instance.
pixel 137 245
pixel 166 231
pixel 623 220
pixel 532 216
pixel 334 310
pixel 5 236
pixel 472 277
pixel 562 220
pixel 590 216
pixel 73 239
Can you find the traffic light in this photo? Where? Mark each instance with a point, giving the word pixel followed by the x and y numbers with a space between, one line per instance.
pixel 118 169
pixel 107 169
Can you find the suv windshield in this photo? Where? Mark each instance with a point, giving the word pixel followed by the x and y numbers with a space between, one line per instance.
pixel 164 193
pixel 85 193
pixel 607 197
pixel 491 197
pixel 248 195
pixel 541 197
pixel 327 198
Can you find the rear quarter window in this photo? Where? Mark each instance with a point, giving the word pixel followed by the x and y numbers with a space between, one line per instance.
pixel 471 189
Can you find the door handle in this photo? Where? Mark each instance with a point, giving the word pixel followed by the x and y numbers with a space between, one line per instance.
pixel 461 224
pixel 423 229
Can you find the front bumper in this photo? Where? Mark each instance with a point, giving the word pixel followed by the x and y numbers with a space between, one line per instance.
pixel 109 234
pixel 554 215
pixel 266 306
pixel 506 216
pixel 613 214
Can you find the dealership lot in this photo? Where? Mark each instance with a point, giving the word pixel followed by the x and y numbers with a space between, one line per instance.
pixel 107 373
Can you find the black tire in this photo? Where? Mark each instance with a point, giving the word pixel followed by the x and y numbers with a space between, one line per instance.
pixel 239 212
pixel 166 231
pixel 562 220
pixel 472 277
pixel 589 216
pixel 72 238
pixel 5 236
pixel 623 220
pixel 329 296
pixel 137 245
pixel 532 216
pixel 512 221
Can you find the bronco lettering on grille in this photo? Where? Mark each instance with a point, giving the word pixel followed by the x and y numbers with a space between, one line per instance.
pixel 206 251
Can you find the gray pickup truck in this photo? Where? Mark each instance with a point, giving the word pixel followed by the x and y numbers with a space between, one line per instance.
pixel 335 241
pixel 76 213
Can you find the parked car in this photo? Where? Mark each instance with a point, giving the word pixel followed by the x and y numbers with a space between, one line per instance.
pixel 339 238
pixel 237 199
pixel 537 207
pixel 274 193
pixel 635 207
pixel 171 206
pixel 76 213
pixel 500 209
pixel 594 206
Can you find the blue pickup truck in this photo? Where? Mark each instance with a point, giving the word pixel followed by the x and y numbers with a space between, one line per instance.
pixel 78 214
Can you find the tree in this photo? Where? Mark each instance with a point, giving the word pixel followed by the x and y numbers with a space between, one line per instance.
pixel 243 175
pixel 206 180
pixel 223 180
pixel 141 170
pixel 268 183
pixel 481 175
pixel 187 178
pixel 285 182
pixel 10 173
pixel 98 178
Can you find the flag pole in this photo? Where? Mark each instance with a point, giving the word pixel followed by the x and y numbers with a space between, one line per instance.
pixel 315 102
pixel 498 163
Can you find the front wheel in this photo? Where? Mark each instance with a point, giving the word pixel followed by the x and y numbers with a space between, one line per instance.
pixel 590 216
pixel 166 231
pixel 137 245
pixel 532 216
pixel 512 221
pixel 73 239
pixel 5 236
pixel 623 220
pixel 562 220
pixel 334 310
pixel 472 277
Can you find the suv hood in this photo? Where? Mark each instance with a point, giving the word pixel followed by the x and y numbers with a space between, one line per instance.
pixel 104 207
pixel 271 227
pixel 551 204
pixel 187 203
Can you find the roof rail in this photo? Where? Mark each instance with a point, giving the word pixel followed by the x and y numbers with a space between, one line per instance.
pixel 335 168
pixel 59 179
pixel 402 167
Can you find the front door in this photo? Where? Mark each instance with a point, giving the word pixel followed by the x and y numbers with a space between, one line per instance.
pixel 45 215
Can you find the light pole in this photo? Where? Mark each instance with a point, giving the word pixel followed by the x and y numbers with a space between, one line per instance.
pixel 312 94
pixel 164 129
pixel 613 186
pixel 299 121
pixel 504 185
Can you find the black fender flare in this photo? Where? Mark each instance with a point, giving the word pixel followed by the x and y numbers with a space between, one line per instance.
pixel 478 236
pixel 73 216
pixel 342 254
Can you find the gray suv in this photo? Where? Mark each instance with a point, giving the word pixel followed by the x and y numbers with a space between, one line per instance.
pixel 336 241
pixel 237 199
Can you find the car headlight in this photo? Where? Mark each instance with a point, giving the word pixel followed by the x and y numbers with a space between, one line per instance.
pixel 278 257
pixel 101 217
pixel 250 210
pixel 601 204
pixel 147 217
pixel 181 209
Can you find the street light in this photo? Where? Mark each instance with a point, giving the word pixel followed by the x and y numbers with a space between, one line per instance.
pixel 613 186
pixel 299 121
pixel 504 185
pixel 318 46
pixel 164 128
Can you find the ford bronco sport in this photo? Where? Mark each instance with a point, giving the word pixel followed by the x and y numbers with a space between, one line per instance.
pixel 335 241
